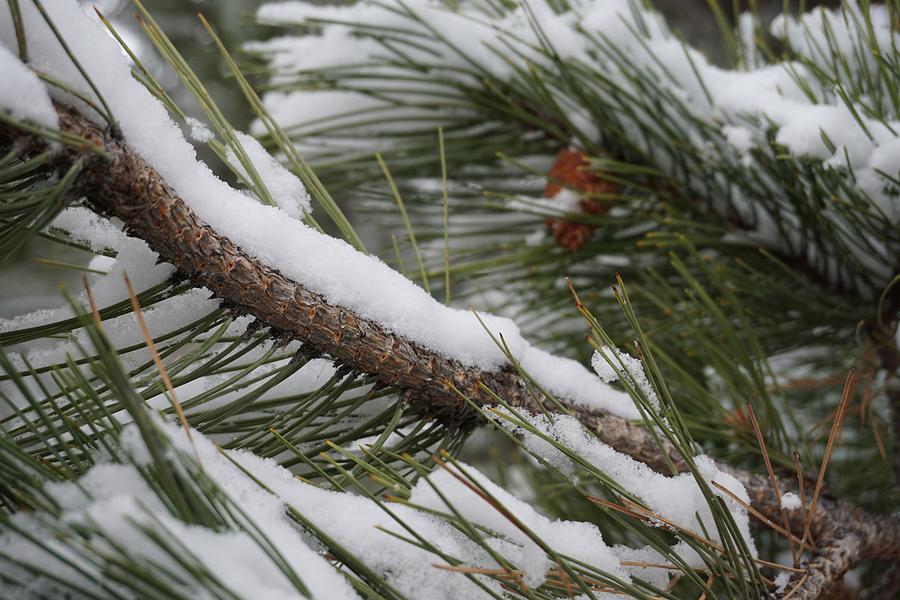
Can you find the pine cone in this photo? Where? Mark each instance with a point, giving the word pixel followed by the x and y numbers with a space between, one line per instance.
pixel 569 171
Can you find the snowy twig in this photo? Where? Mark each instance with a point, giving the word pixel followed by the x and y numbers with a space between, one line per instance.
pixel 121 183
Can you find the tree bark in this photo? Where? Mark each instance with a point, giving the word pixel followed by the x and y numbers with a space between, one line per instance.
pixel 124 185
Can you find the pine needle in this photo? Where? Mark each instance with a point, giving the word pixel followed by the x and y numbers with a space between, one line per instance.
pixel 47 262
pixel 504 573
pixel 409 229
pixel 94 311
pixel 170 390
pixel 783 531
pixel 709 582
pixel 772 480
pixel 446 215
pixel 836 426
pixel 800 484
pixel 646 515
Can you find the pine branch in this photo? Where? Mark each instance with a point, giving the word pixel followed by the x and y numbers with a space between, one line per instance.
pixel 844 535
pixel 121 183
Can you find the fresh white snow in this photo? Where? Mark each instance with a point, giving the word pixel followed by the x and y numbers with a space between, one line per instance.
pixel 22 94
pixel 116 496
pixel 762 96
pixel 678 499
pixel 609 362
pixel 790 501
pixel 199 131
pixel 288 191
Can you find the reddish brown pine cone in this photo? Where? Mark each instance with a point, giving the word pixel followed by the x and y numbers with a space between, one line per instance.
pixel 569 171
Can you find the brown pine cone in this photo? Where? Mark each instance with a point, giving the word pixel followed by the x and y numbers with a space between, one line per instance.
pixel 569 171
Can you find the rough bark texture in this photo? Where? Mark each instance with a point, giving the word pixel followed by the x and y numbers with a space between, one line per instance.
pixel 122 184
pixel 844 535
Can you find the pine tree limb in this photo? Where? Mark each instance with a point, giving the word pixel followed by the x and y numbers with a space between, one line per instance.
pixel 844 535
pixel 124 185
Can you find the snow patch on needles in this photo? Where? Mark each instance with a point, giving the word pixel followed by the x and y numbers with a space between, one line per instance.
pixel 117 498
pixel 289 192
pixel 134 257
pixel 199 131
pixel 22 94
pixel 758 98
pixel 781 581
pixel 609 363
pixel 678 499
pixel 323 264
pixel 578 540
pixel 819 34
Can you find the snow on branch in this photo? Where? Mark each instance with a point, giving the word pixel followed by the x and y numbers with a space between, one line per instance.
pixel 810 119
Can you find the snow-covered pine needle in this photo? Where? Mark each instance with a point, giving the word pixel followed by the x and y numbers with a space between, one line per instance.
pixel 801 484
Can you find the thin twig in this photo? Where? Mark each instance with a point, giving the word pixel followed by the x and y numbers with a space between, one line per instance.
pixel 709 582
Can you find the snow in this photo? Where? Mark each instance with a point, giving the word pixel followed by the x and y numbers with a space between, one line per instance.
pixel 199 131
pixel 609 362
pixel 739 137
pixel 133 257
pixel 353 522
pixel 22 94
pixel 579 540
pixel 116 497
pixel 323 264
pixel 678 499
pixel 288 191
pixel 565 201
pixel 781 581
pixel 790 501
pixel 815 33
pixel 770 92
